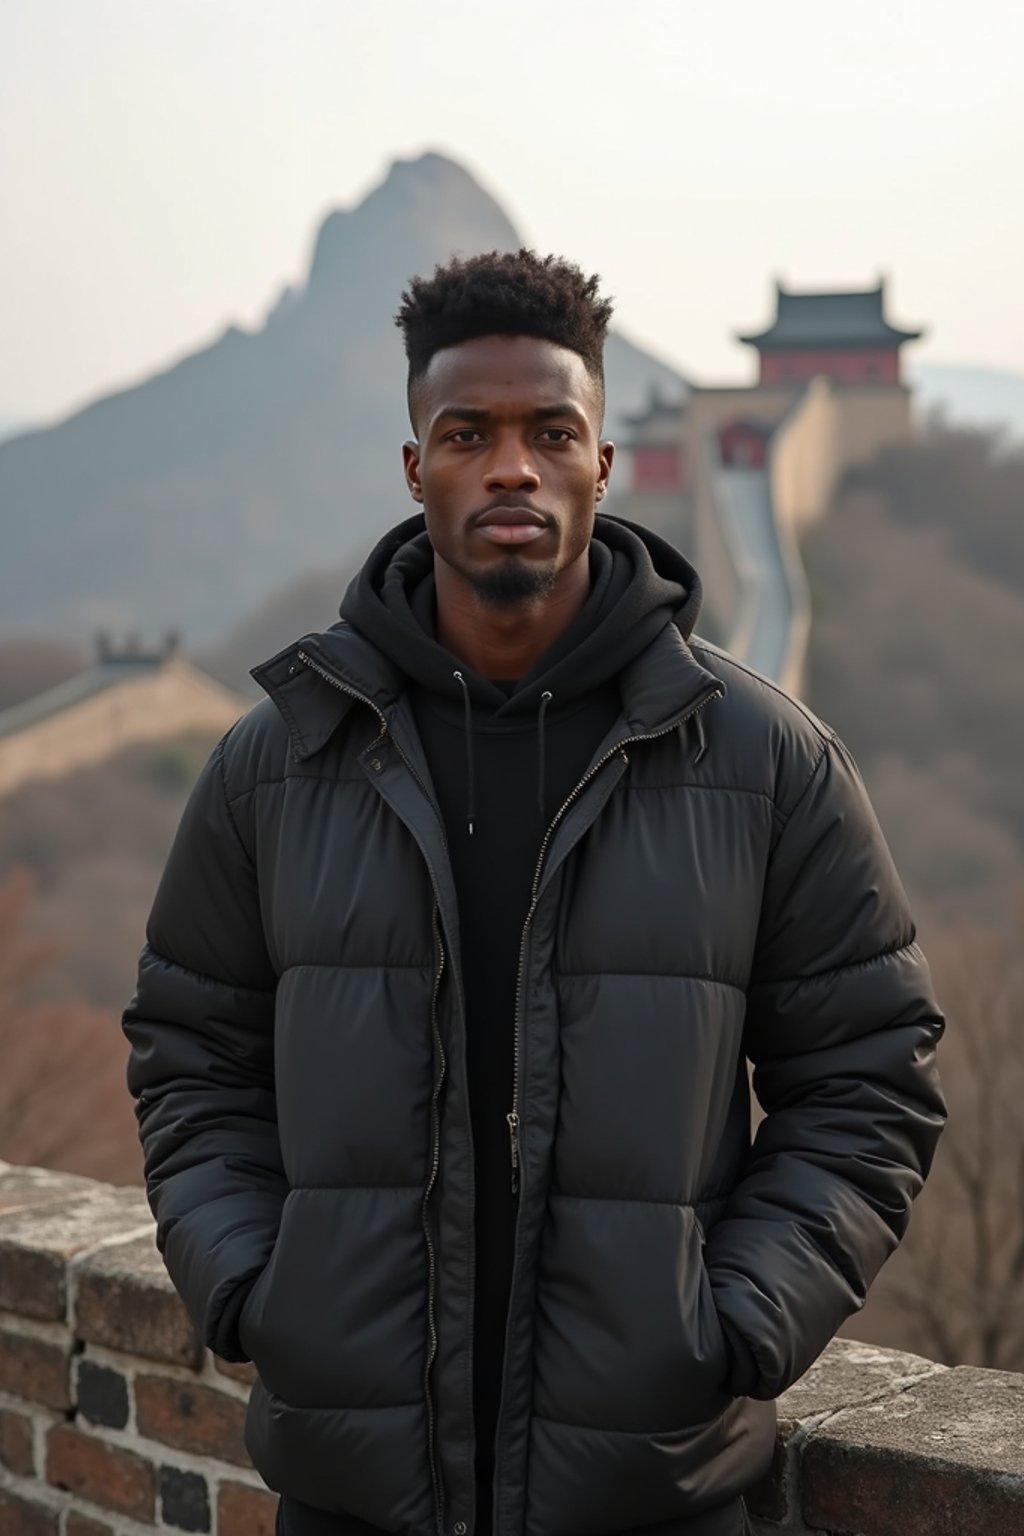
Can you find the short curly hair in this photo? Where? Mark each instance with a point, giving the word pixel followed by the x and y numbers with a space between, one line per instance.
pixel 504 293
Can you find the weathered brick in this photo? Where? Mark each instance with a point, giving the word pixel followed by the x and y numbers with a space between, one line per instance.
pixel 37 1243
pixel 192 1417
pixel 16 1451
pixel 245 1511
pixel 77 1524
pixel 943 1458
pixel 35 1368
pixel 235 1370
pixel 23 1517
pixel 21 1187
pixel 104 1474
pixel 846 1374
pixel 184 1500
pixel 102 1395
pixel 126 1301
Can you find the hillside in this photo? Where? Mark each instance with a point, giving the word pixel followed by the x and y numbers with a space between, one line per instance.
pixel 990 398
pixel 80 859
pixel 184 502
pixel 917 645
pixel 95 842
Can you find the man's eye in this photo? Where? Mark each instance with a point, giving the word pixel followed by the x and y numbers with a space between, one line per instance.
pixel 464 433
pixel 566 435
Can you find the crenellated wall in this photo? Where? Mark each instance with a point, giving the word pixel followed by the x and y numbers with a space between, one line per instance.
pixel 115 1422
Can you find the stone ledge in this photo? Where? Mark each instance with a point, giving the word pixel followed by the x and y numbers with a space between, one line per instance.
pixel 874 1442
pixel 945 1456
pixel 47 1224
pixel 847 1374
pixel 79 1252
pixel 125 1300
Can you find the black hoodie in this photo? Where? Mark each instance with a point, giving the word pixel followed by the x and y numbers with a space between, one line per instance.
pixel 503 757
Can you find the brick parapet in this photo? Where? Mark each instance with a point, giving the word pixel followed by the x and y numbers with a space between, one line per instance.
pixel 114 1421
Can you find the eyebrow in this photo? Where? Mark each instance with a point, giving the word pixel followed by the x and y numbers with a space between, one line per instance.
pixel 480 413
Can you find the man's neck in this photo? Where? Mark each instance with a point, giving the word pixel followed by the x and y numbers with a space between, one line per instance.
pixel 505 643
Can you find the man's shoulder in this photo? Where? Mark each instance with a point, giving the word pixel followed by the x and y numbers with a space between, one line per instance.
pixel 255 749
pixel 770 735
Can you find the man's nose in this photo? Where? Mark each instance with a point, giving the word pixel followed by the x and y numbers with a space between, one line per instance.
pixel 511 468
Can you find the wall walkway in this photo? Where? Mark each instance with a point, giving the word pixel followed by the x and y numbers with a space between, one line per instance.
pixel 769 621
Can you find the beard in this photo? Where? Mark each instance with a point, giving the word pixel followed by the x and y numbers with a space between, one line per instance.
pixel 513 582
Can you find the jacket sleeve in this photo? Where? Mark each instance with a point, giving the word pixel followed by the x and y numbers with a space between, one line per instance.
pixel 201 1067
pixel 841 1030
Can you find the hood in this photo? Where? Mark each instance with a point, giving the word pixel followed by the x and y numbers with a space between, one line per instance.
pixel 639 585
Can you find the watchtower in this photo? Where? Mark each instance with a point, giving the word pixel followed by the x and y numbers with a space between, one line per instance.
pixel 845 336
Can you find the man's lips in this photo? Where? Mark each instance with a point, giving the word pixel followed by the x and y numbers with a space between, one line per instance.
pixel 511 525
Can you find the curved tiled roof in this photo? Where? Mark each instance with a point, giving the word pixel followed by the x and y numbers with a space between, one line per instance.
pixel 845 319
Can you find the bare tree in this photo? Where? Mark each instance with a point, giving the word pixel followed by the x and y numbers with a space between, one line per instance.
pixel 959 1281
pixel 63 1099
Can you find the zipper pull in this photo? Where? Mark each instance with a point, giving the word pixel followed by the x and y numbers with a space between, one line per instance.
pixel 513 1136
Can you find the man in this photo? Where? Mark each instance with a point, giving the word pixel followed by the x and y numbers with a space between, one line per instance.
pixel 441 1029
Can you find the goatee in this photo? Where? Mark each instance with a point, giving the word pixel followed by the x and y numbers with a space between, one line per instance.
pixel 512 582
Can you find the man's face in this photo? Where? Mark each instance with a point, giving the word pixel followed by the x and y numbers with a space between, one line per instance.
pixel 508 463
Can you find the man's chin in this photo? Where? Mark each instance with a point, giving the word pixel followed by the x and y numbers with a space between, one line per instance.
pixel 514 581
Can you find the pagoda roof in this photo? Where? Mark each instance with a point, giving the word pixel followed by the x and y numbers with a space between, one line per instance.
pixel 845 319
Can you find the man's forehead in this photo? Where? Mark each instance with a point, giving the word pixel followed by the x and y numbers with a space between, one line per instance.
pixel 505 372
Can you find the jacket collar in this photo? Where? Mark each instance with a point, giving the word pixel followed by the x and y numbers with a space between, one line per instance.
pixel 663 683
pixel 313 708
pixel 657 686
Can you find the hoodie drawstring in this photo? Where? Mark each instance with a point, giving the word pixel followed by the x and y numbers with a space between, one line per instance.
pixel 470 768
pixel 545 700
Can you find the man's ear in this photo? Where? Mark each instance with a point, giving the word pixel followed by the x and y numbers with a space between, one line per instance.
pixel 411 463
pixel 605 455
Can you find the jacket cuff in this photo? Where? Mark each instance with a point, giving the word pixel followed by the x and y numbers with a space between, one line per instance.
pixel 744 1373
pixel 223 1339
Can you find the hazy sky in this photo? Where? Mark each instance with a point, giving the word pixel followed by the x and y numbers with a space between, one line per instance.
pixel 163 167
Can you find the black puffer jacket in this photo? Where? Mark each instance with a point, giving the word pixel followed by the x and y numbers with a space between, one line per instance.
pixel 715 889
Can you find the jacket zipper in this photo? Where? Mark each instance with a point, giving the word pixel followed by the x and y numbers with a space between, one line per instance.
pixel 513 1116
pixel 620 747
pixel 435 1479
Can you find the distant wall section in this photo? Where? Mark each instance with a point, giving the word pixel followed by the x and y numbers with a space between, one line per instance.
pixel 154 706
pixel 826 431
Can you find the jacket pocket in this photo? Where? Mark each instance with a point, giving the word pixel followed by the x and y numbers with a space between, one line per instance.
pixel 337 1319
pixel 628 1337
pixel 709 1318
pixel 361 1465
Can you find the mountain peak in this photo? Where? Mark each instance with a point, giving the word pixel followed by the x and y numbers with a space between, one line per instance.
pixel 425 210
pixel 430 165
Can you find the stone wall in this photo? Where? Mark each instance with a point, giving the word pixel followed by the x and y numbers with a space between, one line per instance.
pixel 114 1421
pixel 113 1418
pixel 155 706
